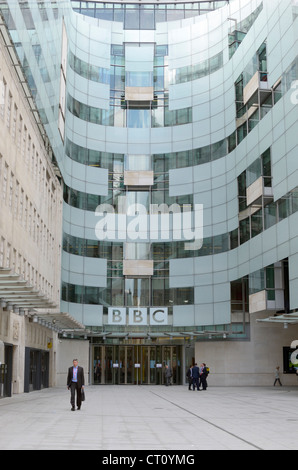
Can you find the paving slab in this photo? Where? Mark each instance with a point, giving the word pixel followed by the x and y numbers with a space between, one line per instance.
pixel 159 418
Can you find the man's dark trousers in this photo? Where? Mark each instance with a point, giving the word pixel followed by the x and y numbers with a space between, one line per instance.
pixel 73 389
pixel 76 386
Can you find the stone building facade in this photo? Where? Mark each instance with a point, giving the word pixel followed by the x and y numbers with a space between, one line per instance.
pixel 30 237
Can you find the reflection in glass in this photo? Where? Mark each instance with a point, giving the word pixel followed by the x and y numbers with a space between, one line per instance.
pixel 117 291
pixel 138 118
pixel 137 162
pixel 253 172
pixel 136 251
pixel 147 17
pixel 137 292
pixel 132 18
pixel 158 117
pixel 139 79
pixel 270 282
pixel 284 208
pixel 257 223
pixel 269 215
pixel 138 197
pixel 256 281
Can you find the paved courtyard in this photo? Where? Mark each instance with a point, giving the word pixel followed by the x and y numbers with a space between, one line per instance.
pixel 157 418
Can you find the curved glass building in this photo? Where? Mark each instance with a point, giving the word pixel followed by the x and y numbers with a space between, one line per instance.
pixel 174 127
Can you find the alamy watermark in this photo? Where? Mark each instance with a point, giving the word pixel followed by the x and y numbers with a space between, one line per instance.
pixel 294 355
pixel 161 223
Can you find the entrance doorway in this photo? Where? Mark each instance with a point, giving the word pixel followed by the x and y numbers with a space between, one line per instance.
pixel 36 370
pixel 135 364
pixel 6 373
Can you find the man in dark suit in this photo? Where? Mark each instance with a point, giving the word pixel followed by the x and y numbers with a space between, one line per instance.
pixel 189 376
pixel 195 376
pixel 203 376
pixel 75 382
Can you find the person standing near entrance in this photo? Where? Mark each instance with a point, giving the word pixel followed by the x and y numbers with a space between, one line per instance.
pixel 75 383
pixel 203 376
pixel 277 378
pixel 195 377
pixel 189 376
pixel 168 375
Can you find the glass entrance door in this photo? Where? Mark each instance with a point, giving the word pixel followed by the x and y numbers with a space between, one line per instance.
pixel 135 364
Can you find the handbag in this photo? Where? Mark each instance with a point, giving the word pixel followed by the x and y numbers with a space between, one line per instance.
pixel 83 394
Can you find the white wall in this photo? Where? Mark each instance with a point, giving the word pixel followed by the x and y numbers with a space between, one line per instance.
pixel 249 363
pixel 67 350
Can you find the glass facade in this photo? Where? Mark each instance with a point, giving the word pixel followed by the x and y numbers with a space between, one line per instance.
pixel 153 110
pixel 134 16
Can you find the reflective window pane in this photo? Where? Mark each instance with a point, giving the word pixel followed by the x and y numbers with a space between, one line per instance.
pixel 147 18
pixel 132 18
pixel 138 118
pixel 137 292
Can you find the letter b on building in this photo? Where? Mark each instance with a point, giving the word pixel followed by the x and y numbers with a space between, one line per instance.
pixel 137 316
pixel 117 316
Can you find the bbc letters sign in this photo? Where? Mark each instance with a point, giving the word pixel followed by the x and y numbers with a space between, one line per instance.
pixel 137 316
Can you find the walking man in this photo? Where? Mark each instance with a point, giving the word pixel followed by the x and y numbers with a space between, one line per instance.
pixel 75 383
pixel 277 378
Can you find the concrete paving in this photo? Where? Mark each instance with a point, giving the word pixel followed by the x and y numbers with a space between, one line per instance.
pixel 156 418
